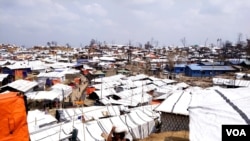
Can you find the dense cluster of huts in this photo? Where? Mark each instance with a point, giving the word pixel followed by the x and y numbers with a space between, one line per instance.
pixel 134 97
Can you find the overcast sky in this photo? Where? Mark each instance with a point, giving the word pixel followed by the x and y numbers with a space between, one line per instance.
pixel 35 22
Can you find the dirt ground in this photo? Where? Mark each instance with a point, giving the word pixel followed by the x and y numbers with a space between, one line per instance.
pixel 168 136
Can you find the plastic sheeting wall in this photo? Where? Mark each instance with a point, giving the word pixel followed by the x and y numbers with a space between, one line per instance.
pixel 174 122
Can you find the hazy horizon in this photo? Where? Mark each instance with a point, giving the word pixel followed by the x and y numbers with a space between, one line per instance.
pixel 166 22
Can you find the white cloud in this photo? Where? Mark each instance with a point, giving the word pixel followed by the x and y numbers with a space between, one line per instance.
pixel 143 15
pixel 232 6
pixel 94 9
pixel 109 22
pixel 143 1
pixel 150 2
pixel 27 3
pixel 78 21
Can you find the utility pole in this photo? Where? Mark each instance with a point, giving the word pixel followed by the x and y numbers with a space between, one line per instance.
pixel 206 42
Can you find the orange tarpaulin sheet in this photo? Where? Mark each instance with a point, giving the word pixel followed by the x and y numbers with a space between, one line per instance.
pixel 79 102
pixel 18 74
pixel 155 102
pixel 55 81
pixel 13 121
pixel 90 90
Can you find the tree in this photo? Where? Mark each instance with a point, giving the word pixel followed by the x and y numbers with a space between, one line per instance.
pixel 183 41
pixel 49 44
pixel 206 42
pixel 219 40
pixel 55 43
pixel 237 50
pixel 239 37
pixel 139 45
pixel 148 45
pixel 52 43
pixel 156 43
pixel 68 45
pixel 248 48
pixel 225 51
pixel 171 61
pixel 129 54
pixel 129 43
pixel 92 42
pixel 164 51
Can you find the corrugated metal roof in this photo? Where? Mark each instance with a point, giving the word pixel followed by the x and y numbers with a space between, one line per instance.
pixel 180 65
pixel 197 67
pixel 22 85
pixel 212 63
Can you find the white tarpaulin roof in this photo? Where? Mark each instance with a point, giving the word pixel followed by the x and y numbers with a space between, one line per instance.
pixel 3 76
pixel 51 75
pixel 148 110
pixel 133 127
pixel 177 103
pixel 39 95
pixel 117 121
pixel 182 85
pixel 109 79
pixel 147 123
pixel 83 134
pixel 133 100
pixel 214 107
pixel 22 85
pixel 125 102
pixel 51 133
pixel 231 82
pixel 94 130
pixel 65 89
pixel 57 91
pixel 159 83
pixel 93 112
pixel 36 119
pixel 102 93
pixel 136 122
pixel 169 81
pixel 137 77
pixel 140 98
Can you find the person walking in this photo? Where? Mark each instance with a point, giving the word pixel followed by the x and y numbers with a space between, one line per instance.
pixel 116 134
